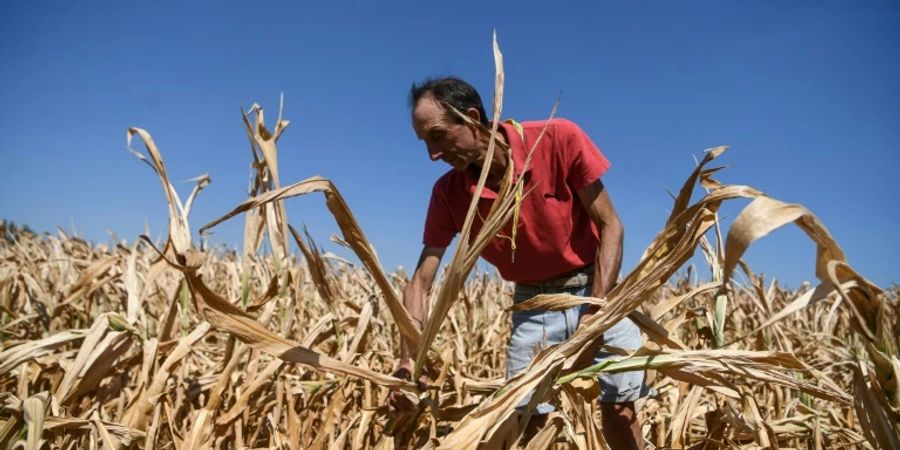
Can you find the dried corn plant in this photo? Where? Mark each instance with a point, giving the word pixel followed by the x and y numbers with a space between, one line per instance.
pixel 165 345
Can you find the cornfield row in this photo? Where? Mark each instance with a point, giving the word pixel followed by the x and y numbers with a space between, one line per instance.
pixel 171 346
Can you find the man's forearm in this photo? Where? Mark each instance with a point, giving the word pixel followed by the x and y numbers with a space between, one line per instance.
pixel 415 296
pixel 415 301
pixel 608 261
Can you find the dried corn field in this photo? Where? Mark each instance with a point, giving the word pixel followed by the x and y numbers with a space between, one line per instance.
pixel 90 377
pixel 168 345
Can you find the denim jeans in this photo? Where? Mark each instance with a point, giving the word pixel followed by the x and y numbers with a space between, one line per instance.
pixel 535 330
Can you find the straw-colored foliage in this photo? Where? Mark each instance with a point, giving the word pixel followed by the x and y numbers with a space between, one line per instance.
pixel 174 346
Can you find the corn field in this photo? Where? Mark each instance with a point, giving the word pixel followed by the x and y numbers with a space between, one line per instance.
pixel 168 345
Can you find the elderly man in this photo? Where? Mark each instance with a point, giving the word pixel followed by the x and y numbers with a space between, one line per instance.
pixel 568 237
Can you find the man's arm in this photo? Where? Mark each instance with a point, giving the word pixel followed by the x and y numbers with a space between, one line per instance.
pixel 608 261
pixel 415 298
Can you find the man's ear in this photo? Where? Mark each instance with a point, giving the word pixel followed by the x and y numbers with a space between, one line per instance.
pixel 474 115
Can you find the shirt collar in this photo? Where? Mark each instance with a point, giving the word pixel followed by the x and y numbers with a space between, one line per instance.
pixel 519 154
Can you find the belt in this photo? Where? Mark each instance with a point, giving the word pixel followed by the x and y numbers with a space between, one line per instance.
pixel 576 278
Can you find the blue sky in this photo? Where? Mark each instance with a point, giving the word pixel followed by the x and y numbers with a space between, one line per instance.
pixel 805 93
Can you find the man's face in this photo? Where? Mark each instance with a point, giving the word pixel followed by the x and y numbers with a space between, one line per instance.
pixel 451 142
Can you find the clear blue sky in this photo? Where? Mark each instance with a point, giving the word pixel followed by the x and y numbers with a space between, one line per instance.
pixel 805 93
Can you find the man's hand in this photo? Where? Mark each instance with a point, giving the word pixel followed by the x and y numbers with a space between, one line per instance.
pixel 399 403
pixel 587 358
pixel 584 317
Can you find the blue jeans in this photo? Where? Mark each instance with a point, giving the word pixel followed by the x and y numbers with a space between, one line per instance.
pixel 535 330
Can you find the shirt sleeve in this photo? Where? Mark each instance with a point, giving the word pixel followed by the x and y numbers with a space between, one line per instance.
pixel 585 161
pixel 439 228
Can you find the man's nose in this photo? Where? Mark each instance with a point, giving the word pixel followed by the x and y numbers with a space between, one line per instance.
pixel 434 153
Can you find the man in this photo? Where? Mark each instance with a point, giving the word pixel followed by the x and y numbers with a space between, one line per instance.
pixel 568 237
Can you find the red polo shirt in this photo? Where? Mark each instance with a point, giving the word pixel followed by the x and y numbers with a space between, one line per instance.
pixel 555 234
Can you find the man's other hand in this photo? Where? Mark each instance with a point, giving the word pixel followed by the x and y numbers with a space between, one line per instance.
pixel 587 358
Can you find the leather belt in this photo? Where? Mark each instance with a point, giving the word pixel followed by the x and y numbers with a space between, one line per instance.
pixel 577 278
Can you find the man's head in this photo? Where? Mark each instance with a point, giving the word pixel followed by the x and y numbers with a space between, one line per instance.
pixel 453 91
pixel 447 136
